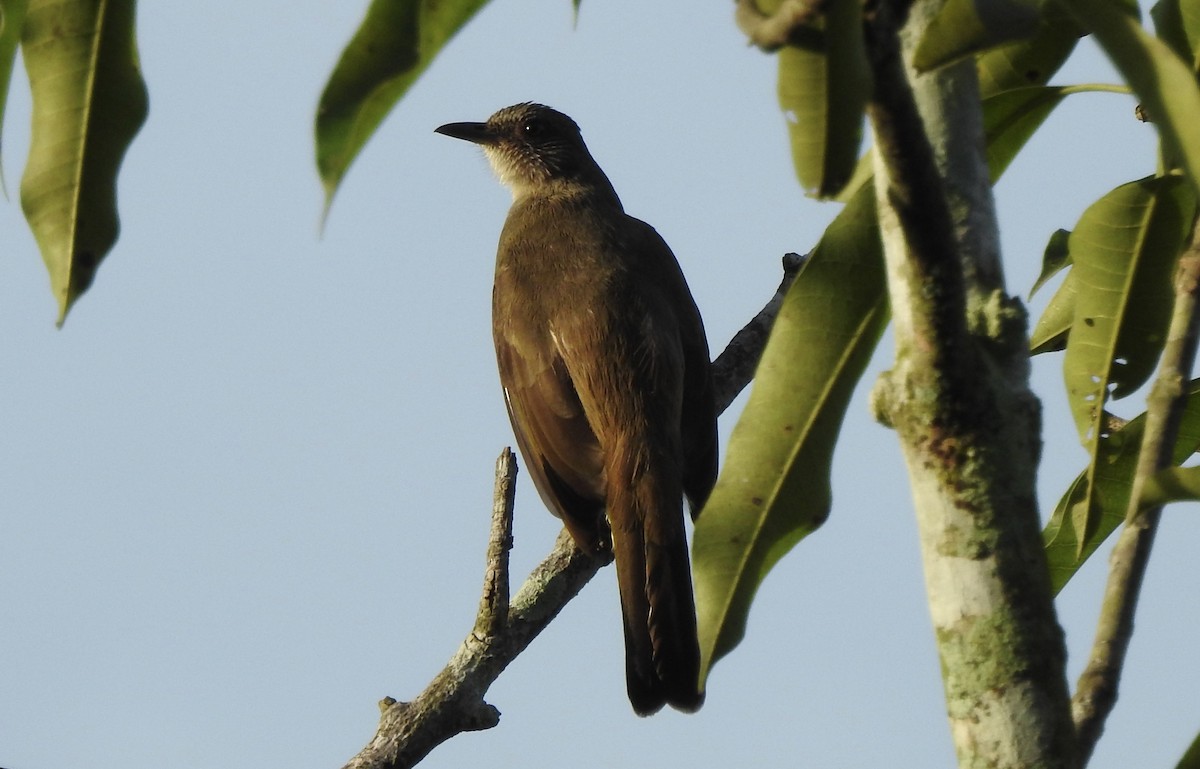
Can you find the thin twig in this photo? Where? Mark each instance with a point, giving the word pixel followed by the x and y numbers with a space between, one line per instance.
pixel 1096 691
pixel 734 367
pixel 493 605
pixel 453 702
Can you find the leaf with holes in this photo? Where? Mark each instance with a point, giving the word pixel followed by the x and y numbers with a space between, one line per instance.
pixel 1124 250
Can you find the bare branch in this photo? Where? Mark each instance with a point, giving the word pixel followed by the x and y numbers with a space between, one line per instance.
pixel 734 367
pixel 453 702
pixel 1096 691
pixel 493 605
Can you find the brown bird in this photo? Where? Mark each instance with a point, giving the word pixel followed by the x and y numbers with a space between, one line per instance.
pixel 605 370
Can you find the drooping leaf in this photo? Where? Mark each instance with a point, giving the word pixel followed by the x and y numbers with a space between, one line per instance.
pixel 774 487
pixel 823 88
pixel 1107 492
pixel 12 17
pixel 1166 86
pixel 89 101
pixel 1032 61
pixel 963 28
pixel 391 48
pixel 1124 250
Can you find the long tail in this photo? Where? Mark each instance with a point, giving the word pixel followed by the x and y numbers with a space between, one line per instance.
pixel 662 654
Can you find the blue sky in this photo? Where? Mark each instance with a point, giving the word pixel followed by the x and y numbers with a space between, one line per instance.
pixel 246 489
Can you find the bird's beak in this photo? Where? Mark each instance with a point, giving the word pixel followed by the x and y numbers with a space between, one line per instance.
pixel 472 132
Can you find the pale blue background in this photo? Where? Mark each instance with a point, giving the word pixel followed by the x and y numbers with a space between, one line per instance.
pixel 246 489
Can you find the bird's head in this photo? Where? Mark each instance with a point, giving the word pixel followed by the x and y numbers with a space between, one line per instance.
pixel 531 148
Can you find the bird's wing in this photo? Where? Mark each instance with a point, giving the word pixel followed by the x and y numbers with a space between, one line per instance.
pixel 698 428
pixel 560 449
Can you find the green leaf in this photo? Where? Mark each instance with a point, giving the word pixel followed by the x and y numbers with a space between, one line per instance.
pixel 1011 118
pixel 1107 492
pixel 1124 250
pixel 1055 258
pixel 1032 61
pixel 89 101
pixel 1050 333
pixel 1189 11
pixel 1165 85
pixel 774 487
pixel 1177 23
pixel 1191 759
pixel 12 16
pixel 750 521
pixel 391 48
pixel 1168 25
pixel 963 28
pixel 823 88
pixel 1054 327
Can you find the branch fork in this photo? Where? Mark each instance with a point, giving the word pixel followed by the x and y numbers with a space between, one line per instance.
pixel 454 701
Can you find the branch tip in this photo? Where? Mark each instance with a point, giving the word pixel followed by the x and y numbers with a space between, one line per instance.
pixel 493 605
pixel 735 366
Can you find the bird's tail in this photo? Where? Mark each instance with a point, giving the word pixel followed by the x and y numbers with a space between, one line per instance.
pixel 662 654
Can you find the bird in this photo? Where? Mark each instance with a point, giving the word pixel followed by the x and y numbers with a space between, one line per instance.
pixel 605 369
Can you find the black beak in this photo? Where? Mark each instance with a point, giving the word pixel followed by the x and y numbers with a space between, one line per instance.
pixel 472 132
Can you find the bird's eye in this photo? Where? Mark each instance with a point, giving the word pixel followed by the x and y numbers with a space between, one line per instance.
pixel 533 128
